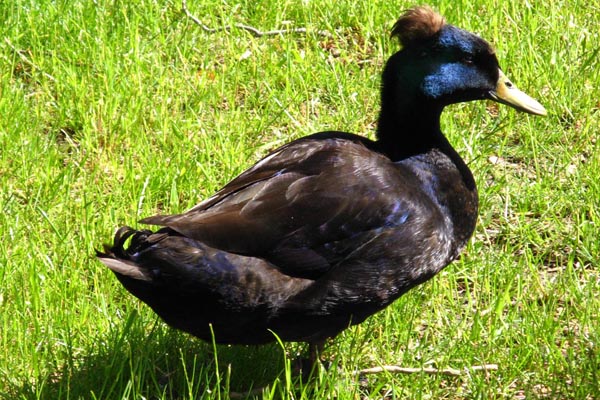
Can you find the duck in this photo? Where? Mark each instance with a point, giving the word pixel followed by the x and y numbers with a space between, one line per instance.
pixel 333 227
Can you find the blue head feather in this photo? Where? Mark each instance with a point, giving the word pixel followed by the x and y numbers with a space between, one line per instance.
pixel 454 74
pixel 448 78
pixel 453 37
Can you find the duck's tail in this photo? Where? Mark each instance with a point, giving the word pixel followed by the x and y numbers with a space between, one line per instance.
pixel 121 258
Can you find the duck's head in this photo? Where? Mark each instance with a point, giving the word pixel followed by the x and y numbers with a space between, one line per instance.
pixel 440 64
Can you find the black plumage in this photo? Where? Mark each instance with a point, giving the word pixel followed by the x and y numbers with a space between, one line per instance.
pixel 333 227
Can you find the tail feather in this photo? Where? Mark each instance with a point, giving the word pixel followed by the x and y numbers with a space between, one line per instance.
pixel 126 268
pixel 119 258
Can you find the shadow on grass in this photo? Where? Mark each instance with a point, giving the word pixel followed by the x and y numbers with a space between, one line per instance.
pixel 131 362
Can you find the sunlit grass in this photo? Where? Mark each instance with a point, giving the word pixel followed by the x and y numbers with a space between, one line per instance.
pixel 111 111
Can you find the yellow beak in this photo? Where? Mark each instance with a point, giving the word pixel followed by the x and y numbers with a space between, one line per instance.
pixel 507 93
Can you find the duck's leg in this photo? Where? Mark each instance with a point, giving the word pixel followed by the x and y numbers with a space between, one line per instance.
pixel 305 366
pixel 314 352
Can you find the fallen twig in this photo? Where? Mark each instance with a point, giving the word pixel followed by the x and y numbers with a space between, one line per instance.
pixel 426 370
pixel 254 31
pixel 388 368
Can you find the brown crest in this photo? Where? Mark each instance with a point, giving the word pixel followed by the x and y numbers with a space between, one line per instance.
pixel 417 24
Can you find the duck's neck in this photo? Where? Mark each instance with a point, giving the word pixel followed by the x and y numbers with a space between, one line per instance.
pixel 410 128
pixel 405 130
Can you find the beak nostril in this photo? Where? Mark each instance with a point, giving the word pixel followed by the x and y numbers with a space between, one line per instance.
pixel 507 93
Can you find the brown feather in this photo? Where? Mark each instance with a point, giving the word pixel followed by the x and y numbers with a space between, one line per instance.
pixel 417 24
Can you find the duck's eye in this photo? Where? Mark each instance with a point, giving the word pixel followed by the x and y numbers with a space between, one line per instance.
pixel 467 59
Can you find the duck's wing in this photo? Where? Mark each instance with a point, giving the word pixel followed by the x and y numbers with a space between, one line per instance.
pixel 306 206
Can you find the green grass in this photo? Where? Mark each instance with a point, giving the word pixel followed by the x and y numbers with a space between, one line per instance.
pixel 110 111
